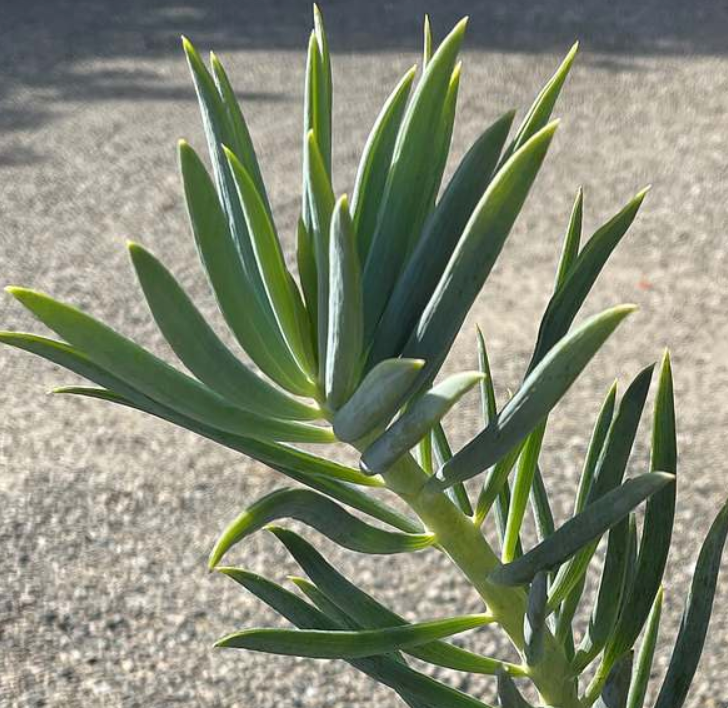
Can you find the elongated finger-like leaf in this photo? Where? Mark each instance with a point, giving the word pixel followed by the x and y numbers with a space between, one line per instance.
pixel 323 514
pixel 406 190
pixel 604 513
pixel 540 112
pixel 345 330
pixel 476 254
pixel 641 676
pixel 321 207
pixel 202 351
pixel 319 89
pixel 534 623
pixel 234 271
pixel 495 482
pixel 570 295
pixel 441 233
pixel 407 682
pixel 323 603
pixel 377 399
pixel 539 393
pixel 155 378
pixel 616 689
pixel 342 644
pixel 696 617
pixel 508 695
pixel 658 523
pixel 241 143
pixel 306 260
pixel 572 239
pixel 416 422
pixel 238 301
pixel 368 612
pixel 280 288
pixel 375 164
pixel 522 485
pixel 427 44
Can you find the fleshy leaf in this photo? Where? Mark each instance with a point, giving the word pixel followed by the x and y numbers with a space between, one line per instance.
pixel 641 676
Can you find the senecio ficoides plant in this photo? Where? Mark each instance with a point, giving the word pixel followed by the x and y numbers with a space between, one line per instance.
pixel 350 353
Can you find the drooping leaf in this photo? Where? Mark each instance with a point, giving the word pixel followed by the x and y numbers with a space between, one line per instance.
pixel 323 514
pixel 377 399
pixel 406 190
pixel 658 523
pixel 345 330
pixel 696 617
pixel 539 393
pixel 343 644
pixel 475 254
pixel 202 351
pixel 375 164
pixel 155 378
pixel 416 422
pixel 440 236
pixel 368 612
pixel 583 528
pixel 641 676
pixel 238 302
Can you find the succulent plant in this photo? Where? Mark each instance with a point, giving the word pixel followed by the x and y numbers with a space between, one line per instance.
pixel 350 353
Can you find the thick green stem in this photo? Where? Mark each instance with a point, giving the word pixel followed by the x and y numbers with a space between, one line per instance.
pixel 460 538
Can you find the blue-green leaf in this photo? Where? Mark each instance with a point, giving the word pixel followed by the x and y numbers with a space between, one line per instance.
pixel 534 623
pixel 616 689
pixel 323 514
pixel 641 676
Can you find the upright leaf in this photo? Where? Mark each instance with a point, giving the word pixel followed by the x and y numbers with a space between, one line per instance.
pixel 345 329
pixel 616 689
pixel 534 624
pixel 572 239
pixel 641 676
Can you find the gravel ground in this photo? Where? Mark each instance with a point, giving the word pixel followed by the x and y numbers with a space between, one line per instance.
pixel 107 516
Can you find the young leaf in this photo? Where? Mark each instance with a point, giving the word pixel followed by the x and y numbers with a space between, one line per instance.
pixel 202 351
pixel 696 617
pixel 569 297
pixel 572 240
pixel 658 523
pixel 280 288
pixel 325 516
pixel 540 112
pixel 377 399
pixel 539 393
pixel 345 343
pixel 475 254
pixel 604 513
pixel 427 49
pixel 440 236
pixel 406 192
pixel 155 378
pixel 641 676
pixel 416 422
pixel 255 332
pixel 342 644
pixel 375 164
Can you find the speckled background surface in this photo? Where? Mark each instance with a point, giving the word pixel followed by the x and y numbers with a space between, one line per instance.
pixel 106 516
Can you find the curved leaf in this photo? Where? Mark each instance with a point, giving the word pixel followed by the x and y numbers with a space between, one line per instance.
pixel 538 394
pixel 380 395
pixel 604 513
pixel 416 422
pixel 154 377
pixel 323 514
pixel 202 351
